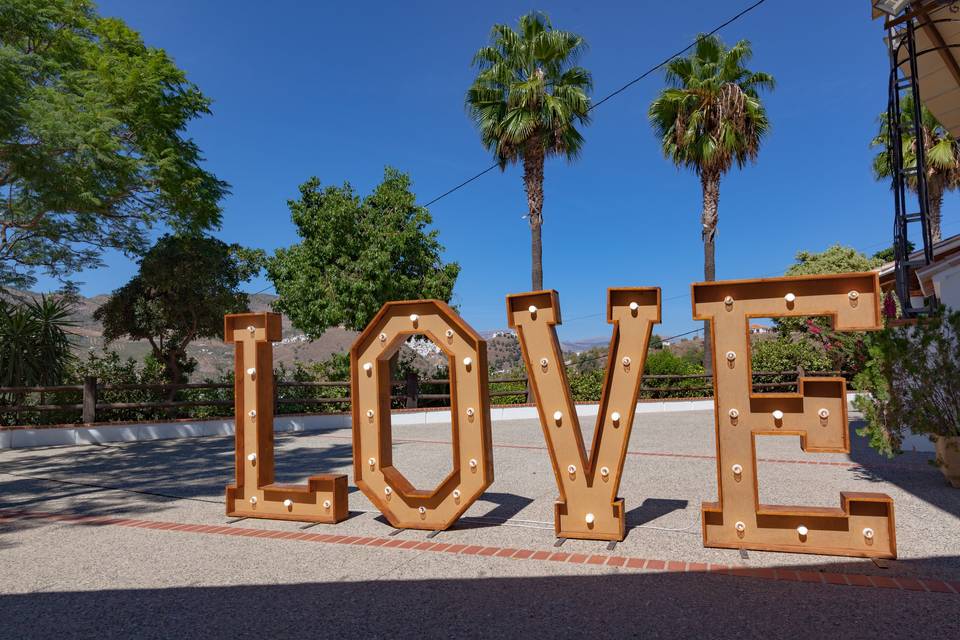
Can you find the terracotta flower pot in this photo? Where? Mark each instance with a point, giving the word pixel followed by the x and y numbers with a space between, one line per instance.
pixel 948 458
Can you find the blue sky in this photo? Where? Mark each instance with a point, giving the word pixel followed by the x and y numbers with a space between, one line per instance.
pixel 338 90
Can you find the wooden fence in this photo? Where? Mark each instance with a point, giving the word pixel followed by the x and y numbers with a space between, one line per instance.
pixel 299 397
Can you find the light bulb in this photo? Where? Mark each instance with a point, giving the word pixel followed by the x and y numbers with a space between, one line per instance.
pixel 383 337
pixel 557 416
pixel 473 463
pixel 251 329
pixel 634 306
pixel 251 371
pixel 252 457
pixel 740 527
pixel 369 413
pixel 372 461
pixel 604 471
pixel 615 417
pixel 253 499
pixel 422 510
pixel 253 413
pixel 470 412
pixel 532 309
pixel 368 366
pixel 731 356
pixel 414 318
pixel 790 298
pixel 387 490
pixel 728 301
pixel 737 469
pixel 590 518
pixel 802 531
pixel 544 362
pixel 734 414
pixel 626 361
pixel 449 333
pixel 456 494
pixel 571 469
pixel 868 533
pixel 467 361
pixel 778 415
pixel 326 504
pixel 853 295
pixel 288 503
pixel 824 413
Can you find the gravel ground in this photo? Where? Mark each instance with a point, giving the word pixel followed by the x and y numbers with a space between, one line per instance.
pixel 63 580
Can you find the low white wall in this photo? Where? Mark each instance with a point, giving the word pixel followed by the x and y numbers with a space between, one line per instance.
pixel 144 431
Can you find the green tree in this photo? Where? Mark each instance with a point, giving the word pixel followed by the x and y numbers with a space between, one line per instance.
pixel 35 342
pixel 942 157
pixel 356 254
pixel 184 287
pixel 92 149
pixel 527 99
pixel 835 259
pixel 708 118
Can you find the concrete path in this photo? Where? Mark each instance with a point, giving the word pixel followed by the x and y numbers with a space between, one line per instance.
pixel 130 540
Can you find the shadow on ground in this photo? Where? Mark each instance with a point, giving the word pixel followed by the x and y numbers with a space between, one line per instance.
pixel 683 605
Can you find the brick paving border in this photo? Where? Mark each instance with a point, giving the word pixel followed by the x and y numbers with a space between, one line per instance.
pixel 904 583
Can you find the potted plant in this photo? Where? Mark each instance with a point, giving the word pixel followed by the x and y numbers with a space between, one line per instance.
pixel 913 380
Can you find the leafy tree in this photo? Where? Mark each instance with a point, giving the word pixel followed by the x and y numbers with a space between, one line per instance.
pixel 708 118
pixel 942 157
pixel 35 342
pixel 92 151
pixel 783 354
pixel 527 100
pixel 357 253
pixel 184 287
pixel 835 259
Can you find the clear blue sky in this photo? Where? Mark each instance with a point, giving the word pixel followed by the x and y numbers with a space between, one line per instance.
pixel 338 90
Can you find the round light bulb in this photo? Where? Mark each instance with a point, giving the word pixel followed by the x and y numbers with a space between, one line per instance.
pixel 414 318
pixel 326 504
pixel 728 301
pixel 615 417
pixel 253 413
pixel 740 526
pixel 737 469
pixel 253 499
pixel 571 469
pixel 634 306
pixel 456 494
pixel 604 471
pixel 532 309
pixel 372 461
pixel 590 518
pixel 734 414
pixel 449 333
pixel 626 361
pixel 853 295
pixel 470 412
pixel 473 463
pixel 383 337
pixel 802 531
pixel 288 503
pixel 467 361
pixel 368 366
pixel 369 413
pixel 868 533
pixel 544 362
pixel 557 416
pixel 731 356
pixel 790 298
pixel 824 413
pixel 778 415
pixel 252 457
pixel 251 329
pixel 387 490
pixel 422 510
pixel 251 371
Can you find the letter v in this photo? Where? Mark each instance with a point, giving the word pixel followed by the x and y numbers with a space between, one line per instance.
pixel 588 506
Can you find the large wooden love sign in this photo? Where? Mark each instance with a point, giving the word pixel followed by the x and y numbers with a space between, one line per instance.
pixel 589 505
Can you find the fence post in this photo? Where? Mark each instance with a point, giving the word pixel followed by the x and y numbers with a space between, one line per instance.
pixel 413 389
pixel 89 399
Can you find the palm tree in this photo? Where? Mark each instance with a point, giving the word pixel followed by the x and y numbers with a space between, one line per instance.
pixel 526 100
pixel 942 154
pixel 708 118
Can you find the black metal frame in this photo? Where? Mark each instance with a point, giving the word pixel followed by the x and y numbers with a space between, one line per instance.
pixel 902 37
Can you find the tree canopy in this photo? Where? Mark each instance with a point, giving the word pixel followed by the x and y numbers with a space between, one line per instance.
pixel 357 253
pixel 835 259
pixel 92 144
pixel 184 287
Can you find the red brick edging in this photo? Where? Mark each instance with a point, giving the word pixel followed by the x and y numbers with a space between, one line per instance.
pixel 905 583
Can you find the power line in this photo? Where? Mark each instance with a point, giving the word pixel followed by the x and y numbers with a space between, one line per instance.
pixel 623 88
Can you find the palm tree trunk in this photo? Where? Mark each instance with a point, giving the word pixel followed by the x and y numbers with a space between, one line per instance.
pixel 935 194
pixel 533 183
pixel 709 218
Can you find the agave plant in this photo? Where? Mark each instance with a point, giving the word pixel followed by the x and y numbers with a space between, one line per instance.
pixel 35 341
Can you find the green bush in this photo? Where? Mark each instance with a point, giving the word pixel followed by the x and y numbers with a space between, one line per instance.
pixel 665 363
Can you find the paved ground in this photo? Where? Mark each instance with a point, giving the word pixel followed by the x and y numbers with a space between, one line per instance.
pixel 134 573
